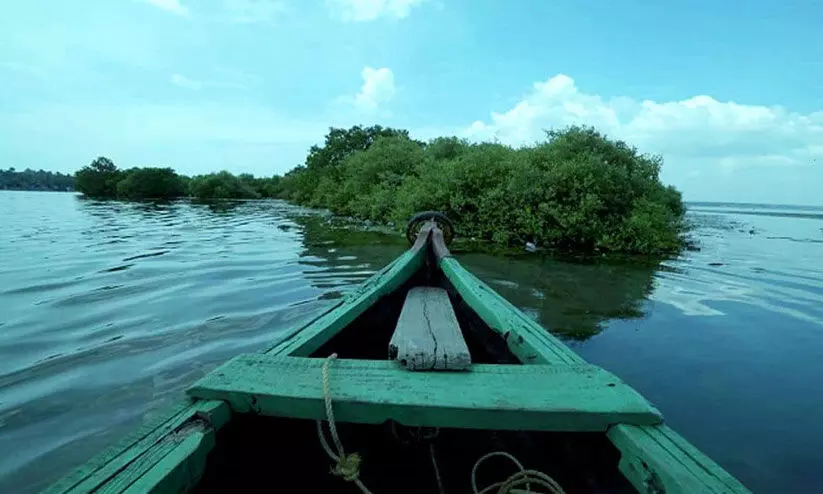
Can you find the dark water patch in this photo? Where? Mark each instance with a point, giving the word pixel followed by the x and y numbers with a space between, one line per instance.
pixel 331 295
pixel 98 294
pixel 790 239
pixel 40 288
pixel 109 287
pixel 115 269
pixel 143 256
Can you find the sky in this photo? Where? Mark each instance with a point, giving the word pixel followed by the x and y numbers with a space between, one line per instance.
pixel 729 93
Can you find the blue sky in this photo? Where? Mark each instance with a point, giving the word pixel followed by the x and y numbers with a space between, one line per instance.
pixel 729 93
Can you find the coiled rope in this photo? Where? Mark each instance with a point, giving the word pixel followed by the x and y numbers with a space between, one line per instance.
pixel 523 477
pixel 348 466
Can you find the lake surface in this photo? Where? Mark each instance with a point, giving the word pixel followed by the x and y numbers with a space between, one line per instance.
pixel 109 310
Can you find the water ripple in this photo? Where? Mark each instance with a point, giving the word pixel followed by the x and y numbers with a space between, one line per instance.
pixel 115 308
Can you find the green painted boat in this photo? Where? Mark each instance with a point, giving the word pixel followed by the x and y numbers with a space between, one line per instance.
pixel 432 382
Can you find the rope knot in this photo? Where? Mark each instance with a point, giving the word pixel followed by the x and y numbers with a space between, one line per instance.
pixel 348 467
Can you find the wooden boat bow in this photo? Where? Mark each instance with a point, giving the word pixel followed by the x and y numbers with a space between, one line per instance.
pixel 519 377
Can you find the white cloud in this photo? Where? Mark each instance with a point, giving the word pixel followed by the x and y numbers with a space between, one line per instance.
pixel 185 82
pixel 172 6
pixel 378 87
pixel 254 11
pixel 698 132
pixel 370 10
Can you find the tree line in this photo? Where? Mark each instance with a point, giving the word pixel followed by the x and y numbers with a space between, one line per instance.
pixel 102 179
pixel 576 190
pixel 29 179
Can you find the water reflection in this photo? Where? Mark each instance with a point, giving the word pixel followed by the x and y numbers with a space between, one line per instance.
pixel 220 206
pixel 573 298
pixel 330 241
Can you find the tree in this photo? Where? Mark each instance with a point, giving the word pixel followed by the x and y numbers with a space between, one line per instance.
pixel 341 143
pixel 150 183
pixel 99 179
pixel 221 185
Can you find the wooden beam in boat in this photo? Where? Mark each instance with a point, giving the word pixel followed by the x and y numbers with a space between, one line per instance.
pixel 178 470
pixel 180 439
pixel 439 244
pixel 657 459
pixel 492 397
pixel 428 336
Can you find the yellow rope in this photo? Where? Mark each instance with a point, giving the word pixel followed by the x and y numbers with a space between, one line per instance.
pixel 346 466
pixel 523 477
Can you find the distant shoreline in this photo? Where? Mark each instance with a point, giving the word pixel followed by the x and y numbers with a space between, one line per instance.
pixel 35 190
pixel 720 204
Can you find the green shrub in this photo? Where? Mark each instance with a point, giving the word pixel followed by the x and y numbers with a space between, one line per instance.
pixel 578 190
pixel 150 183
pixel 222 185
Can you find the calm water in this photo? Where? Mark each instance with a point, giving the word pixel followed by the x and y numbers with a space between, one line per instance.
pixel 109 310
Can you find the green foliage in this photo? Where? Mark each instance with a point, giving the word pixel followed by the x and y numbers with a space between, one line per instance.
pixel 341 143
pixel 316 183
pixel 372 178
pixel 222 185
pixel 264 187
pixel 29 179
pixel 578 190
pixel 298 185
pixel 150 183
pixel 98 180
pixel 103 180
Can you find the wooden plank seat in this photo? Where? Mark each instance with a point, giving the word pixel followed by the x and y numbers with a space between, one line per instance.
pixel 428 336
pixel 495 397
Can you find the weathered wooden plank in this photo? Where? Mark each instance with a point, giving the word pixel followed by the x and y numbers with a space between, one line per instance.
pixel 556 398
pixel 150 449
pixel 438 244
pixel 86 470
pixel 428 336
pixel 657 459
pixel 527 340
pixel 98 471
pixel 677 444
pixel 308 339
pixel 181 468
pixel 142 464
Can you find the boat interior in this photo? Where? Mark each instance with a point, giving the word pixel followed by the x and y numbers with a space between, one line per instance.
pixel 256 453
